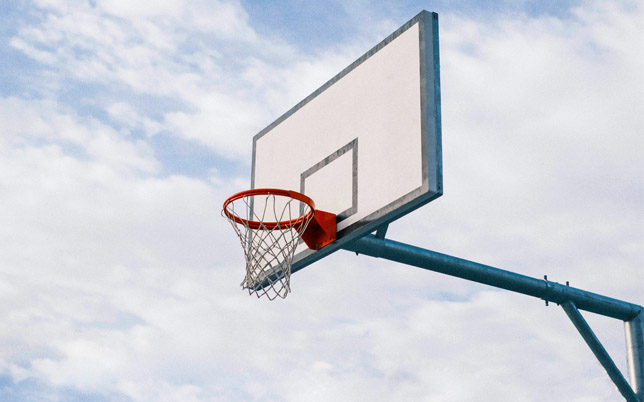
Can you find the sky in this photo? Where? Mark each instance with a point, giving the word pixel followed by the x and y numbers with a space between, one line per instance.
pixel 125 125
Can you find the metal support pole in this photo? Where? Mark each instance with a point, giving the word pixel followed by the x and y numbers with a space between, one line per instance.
pixel 600 353
pixel 570 298
pixel 541 288
pixel 635 353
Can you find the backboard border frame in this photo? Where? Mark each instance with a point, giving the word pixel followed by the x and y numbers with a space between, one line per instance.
pixel 430 128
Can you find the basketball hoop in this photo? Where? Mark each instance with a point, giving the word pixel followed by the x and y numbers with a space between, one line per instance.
pixel 270 223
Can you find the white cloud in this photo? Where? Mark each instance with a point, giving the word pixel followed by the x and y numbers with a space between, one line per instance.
pixel 128 9
pixel 228 81
pixel 118 281
pixel 125 114
pixel 159 391
pixel 542 145
pixel 34 123
pixel 81 236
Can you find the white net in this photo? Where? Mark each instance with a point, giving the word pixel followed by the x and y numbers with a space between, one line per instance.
pixel 269 227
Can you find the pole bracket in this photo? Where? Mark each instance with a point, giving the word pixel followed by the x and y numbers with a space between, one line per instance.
pixel 599 351
pixel 570 298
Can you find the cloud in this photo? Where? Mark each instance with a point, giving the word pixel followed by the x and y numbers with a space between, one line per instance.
pixel 84 219
pixel 161 52
pixel 119 280
pixel 542 143
pixel 226 81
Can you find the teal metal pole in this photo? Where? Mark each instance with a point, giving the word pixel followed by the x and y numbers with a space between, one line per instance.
pixel 453 266
pixel 600 353
pixel 570 298
pixel 634 330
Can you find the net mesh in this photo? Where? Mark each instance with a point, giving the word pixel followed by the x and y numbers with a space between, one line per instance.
pixel 270 247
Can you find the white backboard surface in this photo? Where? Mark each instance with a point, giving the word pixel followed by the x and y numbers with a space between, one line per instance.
pixel 367 144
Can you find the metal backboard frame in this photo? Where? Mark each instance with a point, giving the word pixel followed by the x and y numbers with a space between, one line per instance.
pixel 429 115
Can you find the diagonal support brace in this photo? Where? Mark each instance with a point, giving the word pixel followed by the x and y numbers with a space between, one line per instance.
pixel 571 298
pixel 600 353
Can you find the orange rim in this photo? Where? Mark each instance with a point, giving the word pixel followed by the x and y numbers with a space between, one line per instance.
pixel 257 225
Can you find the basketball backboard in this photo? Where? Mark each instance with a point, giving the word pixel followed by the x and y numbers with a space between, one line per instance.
pixel 366 145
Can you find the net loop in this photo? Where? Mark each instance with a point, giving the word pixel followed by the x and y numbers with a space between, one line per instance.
pixel 269 224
